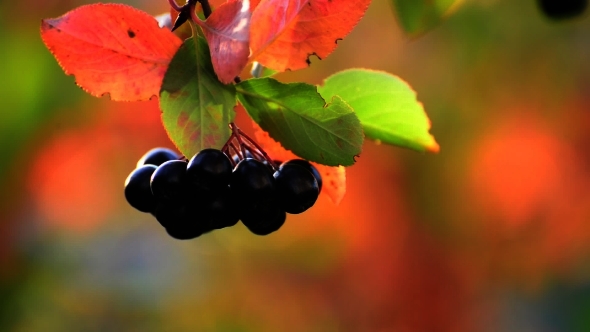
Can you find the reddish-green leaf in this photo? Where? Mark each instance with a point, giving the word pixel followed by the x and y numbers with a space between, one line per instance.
pixel 228 30
pixel 196 107
pixel 111 48
pixel 284 33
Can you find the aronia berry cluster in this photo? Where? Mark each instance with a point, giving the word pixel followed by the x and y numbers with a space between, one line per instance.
pixel 214 190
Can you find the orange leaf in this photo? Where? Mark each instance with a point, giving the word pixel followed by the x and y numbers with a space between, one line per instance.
pixel 227 31
pixel 284 33
pixel 111 48
pixel 334 178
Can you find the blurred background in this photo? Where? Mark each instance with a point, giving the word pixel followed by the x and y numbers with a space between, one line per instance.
pixel 491 234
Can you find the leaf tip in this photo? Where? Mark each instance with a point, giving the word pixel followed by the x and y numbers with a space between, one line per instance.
pixel 44 24
pixel 433 147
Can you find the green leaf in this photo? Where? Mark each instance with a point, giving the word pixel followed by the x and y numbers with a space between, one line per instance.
pixel 418 16
pixel 385 104
pixel 298 117
pixel 196 107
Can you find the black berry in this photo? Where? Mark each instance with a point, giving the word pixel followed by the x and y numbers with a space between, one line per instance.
pixel 210 169
pixel 236 158
pixel 266 218
pixel 562 9
pixel 182 221
pixel 157 156
pixel 216 189
pixel 271 167
pixel 308 166
pixel 296 188
pixel 222 209
pixel 168 181
pixel 251 181
pixel 186 232
pixel 137 189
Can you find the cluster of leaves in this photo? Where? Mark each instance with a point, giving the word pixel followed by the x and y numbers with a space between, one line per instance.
pixel 118 50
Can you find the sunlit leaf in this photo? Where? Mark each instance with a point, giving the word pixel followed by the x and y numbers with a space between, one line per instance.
pixel 196 107
pixel 111 48
pixel 285 33
pixel 386 106
pixel 298 117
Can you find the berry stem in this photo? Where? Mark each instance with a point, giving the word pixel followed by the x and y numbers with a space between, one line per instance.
pixel 236 133
pixel 227 144
pixel 227 150
pixel 174 5
pixel 252 142
pixel 240 154
pixel 206 8
pixel 255 152
pixel 194 16
pixel 244 144
pixel 228 154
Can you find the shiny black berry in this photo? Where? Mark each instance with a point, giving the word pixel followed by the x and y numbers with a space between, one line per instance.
pixel 266 218
pixel 308 166
pixel 296 188
pixel 210 169
pixel 251 181
pixel 137 189
pixel 237 158
pixel 221 209
pixel 563 9
pixel 272 168
pixel 182 221
pixel 168 181
pixel 157 156
pixel 187 232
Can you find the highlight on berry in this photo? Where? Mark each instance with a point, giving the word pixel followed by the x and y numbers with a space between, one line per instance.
pixel 218 188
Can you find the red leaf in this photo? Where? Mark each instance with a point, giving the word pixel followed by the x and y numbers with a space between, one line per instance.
pixel 334 178
pixel 284 33
pixel 111 48
pixel 227 31
pixel 253 5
